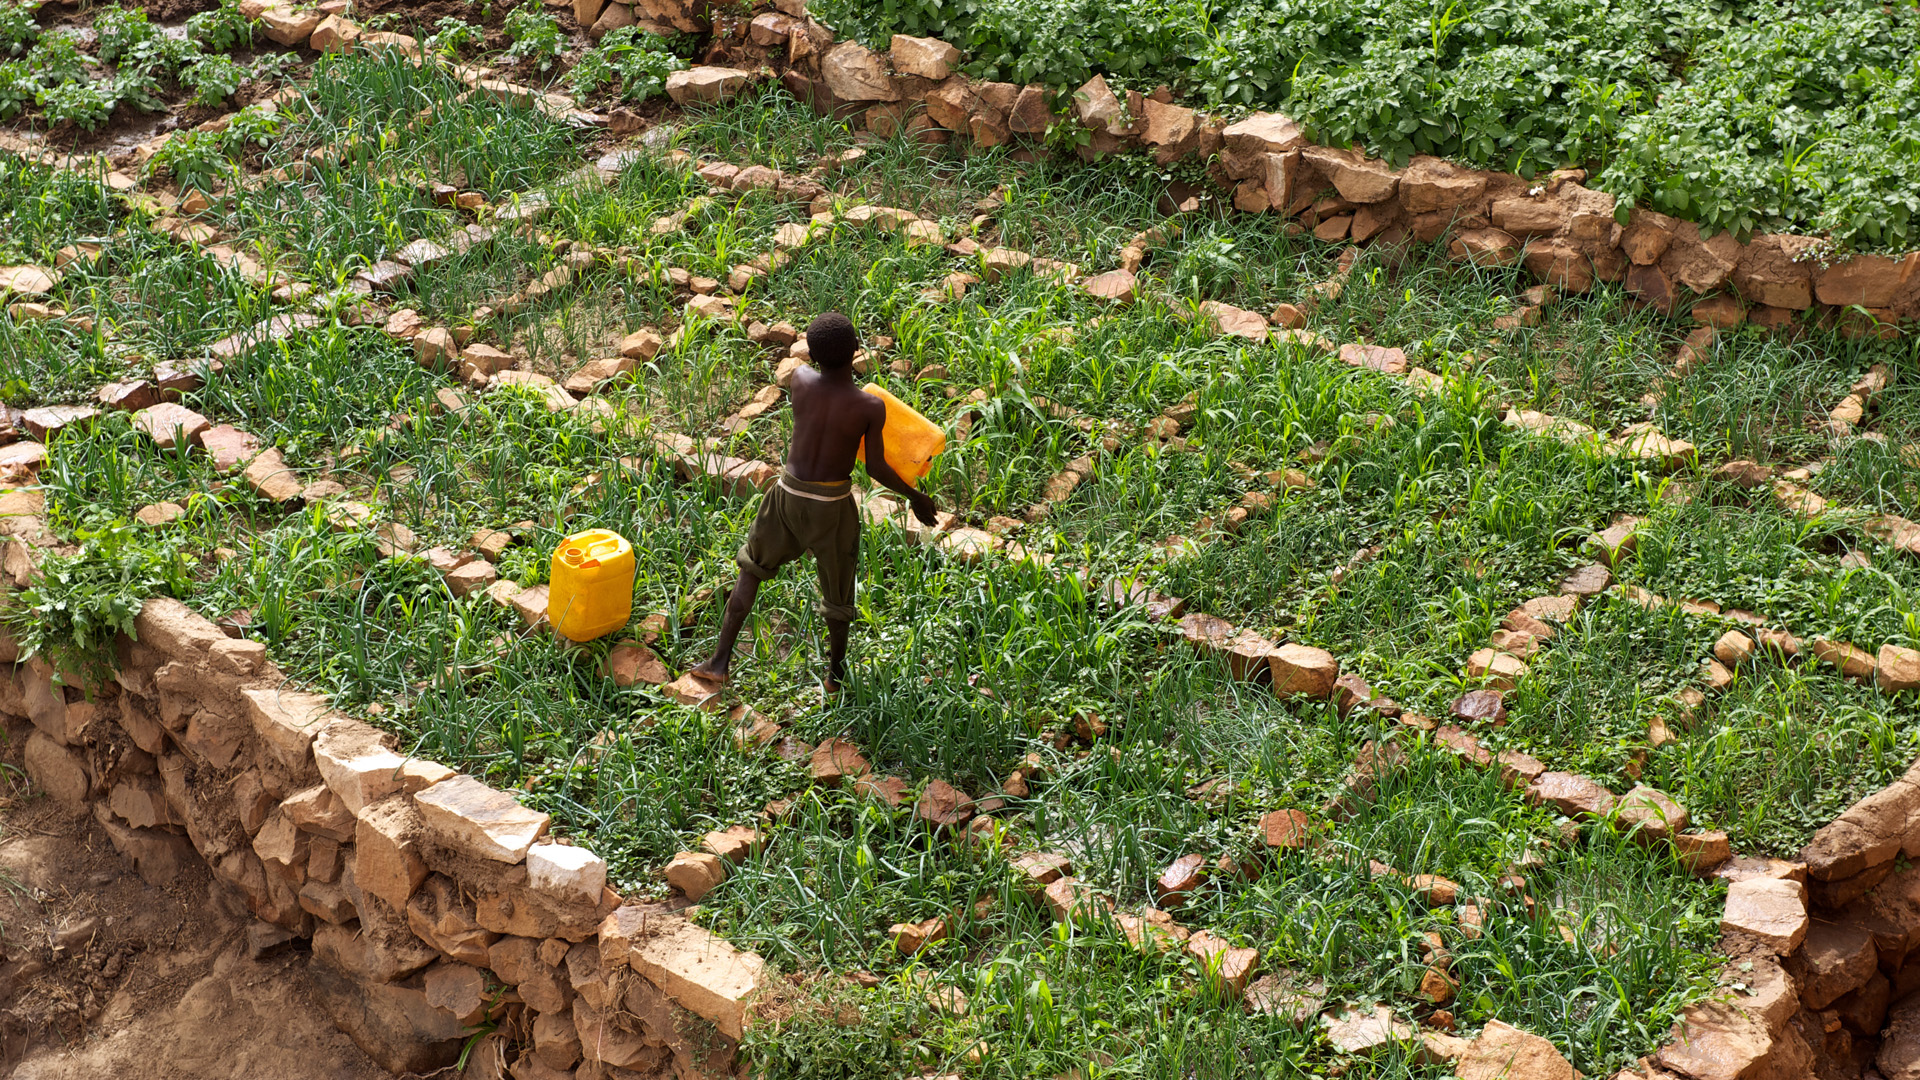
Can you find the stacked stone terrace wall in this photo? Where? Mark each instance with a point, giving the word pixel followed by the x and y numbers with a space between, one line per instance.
pixel 1828 948
pixel 1563 233
pixel 1857 965
pixel 434 904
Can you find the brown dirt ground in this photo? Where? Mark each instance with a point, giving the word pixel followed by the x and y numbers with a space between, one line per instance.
pixel 156 983
pixel 171 10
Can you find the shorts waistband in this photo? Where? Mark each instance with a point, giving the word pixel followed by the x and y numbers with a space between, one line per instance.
pixel 816 490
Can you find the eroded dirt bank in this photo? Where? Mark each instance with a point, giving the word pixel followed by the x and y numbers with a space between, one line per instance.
pixel 107 975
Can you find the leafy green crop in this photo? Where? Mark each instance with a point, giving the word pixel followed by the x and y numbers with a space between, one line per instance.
pixel 138 87
pixel 18 31
pixel 81 601
pixel 197 158
pixel 254 127
pixel 86 104
pixel 158 56
pixel 18 88
pixel 144 62
pixel 221 29
pixel 119 30
pixel 193 159
pixel 451 34
pixel 638 62
pixel 56 59
pixel 1812 120
pixel 535 35
pixel 1745 114
pixel 213 79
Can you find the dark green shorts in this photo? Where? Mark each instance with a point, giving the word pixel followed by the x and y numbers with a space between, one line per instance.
pixel 798 517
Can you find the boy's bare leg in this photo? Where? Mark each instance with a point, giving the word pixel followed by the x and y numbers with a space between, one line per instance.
pixel 836 654
pixel 739 604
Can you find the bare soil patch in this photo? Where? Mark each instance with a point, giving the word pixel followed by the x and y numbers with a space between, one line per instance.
pixel 107 975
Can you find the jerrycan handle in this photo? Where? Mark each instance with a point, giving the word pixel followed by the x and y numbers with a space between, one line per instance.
pixel 590 552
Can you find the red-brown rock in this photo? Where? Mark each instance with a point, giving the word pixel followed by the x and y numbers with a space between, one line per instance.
pixel 1070 898
pixel 1561 264
pixel 1504 1052
pixel 1771 911
pixel 1180 878
pixel 1647 236
pixel 1835 960
pixel 1775 270
pixel 1475 705
pixel 1430 185
pixel 1041 868
pixel 910 938
pixel 1485 247
pixel 629 663
pixel 1375 358
pixel 1571 794
pixel 1357 178
pixel 942 804
pixel 1227 967
pixel 1286 830
pixel 1654 813
pixel 1702 265
pixel 1869 281
pixel 1652 286
pixel 1899 1057
pixel 835 760
pixel 1302 670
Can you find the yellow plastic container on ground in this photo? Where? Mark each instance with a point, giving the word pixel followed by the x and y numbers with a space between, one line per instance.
pixel 913 441
pixel 591 591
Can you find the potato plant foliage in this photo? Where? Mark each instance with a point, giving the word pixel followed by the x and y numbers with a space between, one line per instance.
pixel 1743 115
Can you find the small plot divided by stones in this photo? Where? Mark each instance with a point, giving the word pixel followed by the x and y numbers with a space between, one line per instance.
pixel 1644 810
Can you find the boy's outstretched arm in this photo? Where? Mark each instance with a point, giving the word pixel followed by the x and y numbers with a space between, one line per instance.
pixel 883 473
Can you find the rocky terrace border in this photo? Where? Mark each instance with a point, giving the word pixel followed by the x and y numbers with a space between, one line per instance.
pixel 1288 326
pixel 1564 233
pixel 451 885
pixel 1645 443
pixel 1118 285
pixel 477 818
pixel 1115 285
pixel 1354 1032
pixel 1742 1035
pixel 422 889
pixel 410 819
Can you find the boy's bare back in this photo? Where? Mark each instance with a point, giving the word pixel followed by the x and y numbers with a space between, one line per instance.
pixel 830 417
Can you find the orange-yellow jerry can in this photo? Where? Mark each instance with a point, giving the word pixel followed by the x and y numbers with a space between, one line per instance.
pixel 912 440
pixel 591 590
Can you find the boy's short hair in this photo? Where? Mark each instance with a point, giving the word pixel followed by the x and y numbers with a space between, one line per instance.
pixel 831 340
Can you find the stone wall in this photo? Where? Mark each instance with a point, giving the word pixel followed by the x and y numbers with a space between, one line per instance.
pixel 1829 948
pixel 1858 967
pixel 434 903
pixel 1564 233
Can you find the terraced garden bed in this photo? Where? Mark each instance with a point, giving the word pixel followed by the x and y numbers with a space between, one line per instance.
pixel 1326 692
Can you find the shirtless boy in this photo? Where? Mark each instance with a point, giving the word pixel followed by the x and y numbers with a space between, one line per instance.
pixel 811 508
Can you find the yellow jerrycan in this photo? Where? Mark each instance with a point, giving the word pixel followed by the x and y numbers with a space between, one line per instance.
pixel 591 590
pixel 912 440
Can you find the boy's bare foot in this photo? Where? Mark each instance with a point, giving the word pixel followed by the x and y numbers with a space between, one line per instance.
pixel 710 671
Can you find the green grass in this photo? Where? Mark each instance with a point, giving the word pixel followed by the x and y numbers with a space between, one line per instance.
pixel 960 671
